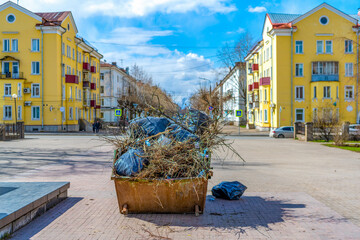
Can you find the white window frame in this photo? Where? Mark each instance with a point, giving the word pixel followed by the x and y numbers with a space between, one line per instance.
pixel 303 115
pixel 19 89
pixel 322 46
pixel 299 66
pixel 266 116
pixel 346 91
pixel 71 113
pixel 6 45
pixel 349 69
pixel 19 113
pixel 35 47
pixel 34 118
pixel 34 66
pixel 331 42
pixel 303 93
pixel 70 93
pixel 297 46
pixel 7 86
pixel 350 45
pixel 326 97
pixel 14 42
pixel 4 112
pixel 315 92
pixel 35 86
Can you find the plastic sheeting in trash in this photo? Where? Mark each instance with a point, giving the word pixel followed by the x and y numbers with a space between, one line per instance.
pixel 130 162
pixel 229 190
pixel 180 134
pixel 149 126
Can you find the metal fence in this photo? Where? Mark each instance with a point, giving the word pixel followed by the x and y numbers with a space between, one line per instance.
pixel 12 131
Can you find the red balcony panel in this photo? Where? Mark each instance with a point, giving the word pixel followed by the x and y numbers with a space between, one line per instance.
pixel 250 87
pixel 255 67
pixel 264 81
pixel 256 85
pixel 86 66
pixel 86 84
pixel 92 103
pixel 71 79
pixel 97 106
pixel 93 86
pixel 93 69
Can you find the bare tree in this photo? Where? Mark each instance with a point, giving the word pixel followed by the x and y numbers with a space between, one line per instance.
pixel 326 122
pixel 140 74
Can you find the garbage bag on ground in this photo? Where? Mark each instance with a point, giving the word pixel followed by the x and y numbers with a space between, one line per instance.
pixel 130 162
pixel 198 120
pixel 148 126
pixel 180 134
pixel 229 190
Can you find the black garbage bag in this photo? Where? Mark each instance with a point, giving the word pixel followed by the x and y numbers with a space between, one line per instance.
pixel 148 126
pixel 229 190
pixel 130 162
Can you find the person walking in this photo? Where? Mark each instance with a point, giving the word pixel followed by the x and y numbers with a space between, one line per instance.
pixel 97 126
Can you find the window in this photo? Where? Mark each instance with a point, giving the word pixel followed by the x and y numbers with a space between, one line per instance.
pixel 299 115
pixel 63 48
pixel 73 54
pixel 299 70
pixel 7 90
pixel 70 113
pixel 70 93
pixel 337 92
pixel 19 113
pixel 35 68
pixel 68 51
pixel 265 95
pixel 328 46
pixel 314 92
pixel 19 90
pixel 349 69
pixel 14 45
pixel 102 102
pixel 35 113
pixel 101 76
pixel 349 92
pixel 261 116
pixel 265 115
pixel 35 45
pixel 315 114
pixel 327 91
pixel 7 113
pixel 35 90
pixel 299 47
pixel 63 70
pixel 6 45
pixel 10 18
pixel 80 95
pixel 319 46
pixel 76 114
pixel 76 92
pixel 348 46
pixel 325 68
pixel 324 20
pixel 102 89
pixel 299 92
pixel 63 92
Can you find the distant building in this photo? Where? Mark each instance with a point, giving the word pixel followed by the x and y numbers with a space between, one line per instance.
pixel 232 92
pixel 114 85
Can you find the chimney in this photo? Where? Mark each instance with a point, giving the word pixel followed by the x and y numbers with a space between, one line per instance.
pixel 114 64
pixel 127 70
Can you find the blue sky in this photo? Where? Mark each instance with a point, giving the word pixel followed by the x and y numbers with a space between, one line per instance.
pixel 173 40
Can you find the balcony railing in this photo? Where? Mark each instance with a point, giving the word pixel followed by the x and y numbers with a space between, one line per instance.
pixel 93 86
pixel 71 79
pixel 256 85
pixel 86 84
pixel 255 67
pixel 10 75
pixel 86 66
pixel 93 69
pixel 92 103
pixel 250 87
pixel 97 107
pixel 317 78
pixel 264 81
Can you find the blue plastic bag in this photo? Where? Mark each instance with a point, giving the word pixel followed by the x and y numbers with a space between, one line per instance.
pixel 130 162
pixel 148 126
pixel 228 190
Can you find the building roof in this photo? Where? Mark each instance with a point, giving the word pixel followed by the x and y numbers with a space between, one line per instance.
pixel 105 64
pixel 53 18
pixel 277 18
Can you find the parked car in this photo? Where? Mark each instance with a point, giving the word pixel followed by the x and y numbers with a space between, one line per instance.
pixel 354 129
pixel 282 132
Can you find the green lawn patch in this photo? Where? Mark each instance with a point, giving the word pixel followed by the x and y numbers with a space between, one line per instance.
pixel 243 126
pixel 350 148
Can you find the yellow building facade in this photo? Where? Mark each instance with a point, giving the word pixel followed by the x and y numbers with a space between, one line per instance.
pixel 305 63
pixel 50 73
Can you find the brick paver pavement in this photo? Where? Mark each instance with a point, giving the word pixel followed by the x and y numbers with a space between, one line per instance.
pixel 295 191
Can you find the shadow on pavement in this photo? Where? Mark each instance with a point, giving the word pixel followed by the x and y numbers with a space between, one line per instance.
pixel 46 219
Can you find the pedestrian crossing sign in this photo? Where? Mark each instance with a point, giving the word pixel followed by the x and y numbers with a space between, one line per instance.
pixel 239 113
pixel 118 112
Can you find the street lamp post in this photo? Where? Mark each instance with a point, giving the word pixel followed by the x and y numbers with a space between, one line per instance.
pixel 14 96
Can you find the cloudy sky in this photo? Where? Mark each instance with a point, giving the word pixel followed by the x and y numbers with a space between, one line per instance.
pixel 176 41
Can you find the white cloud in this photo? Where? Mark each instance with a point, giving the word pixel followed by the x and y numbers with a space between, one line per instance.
pixel 239 30
pixel 256 9
pixel 129 8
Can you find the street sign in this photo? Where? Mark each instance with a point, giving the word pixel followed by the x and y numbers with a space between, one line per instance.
pixel 118 112
pixel 239 113
pixel 211 108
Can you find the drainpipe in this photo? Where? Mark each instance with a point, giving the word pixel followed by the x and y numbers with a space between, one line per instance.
pixel 292 89
pixel 357 75
pixel 42 78
pixel 61 78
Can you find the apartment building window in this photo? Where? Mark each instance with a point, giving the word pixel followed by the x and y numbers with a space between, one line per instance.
pixel 327 92
pixel 76 114
pixel 6 45
pixel 102 89
pixel 70 113
pixel 349 70
pixel 319 46
pixel 299 47
pixel 73 54
pixel 19 113
pixel 14 45
pixel 63 70
pixel 315 114
pixel 35 45
pixel 7 90
pixel 260 95
pixel 349 92
pixel 348 46
pixel 299 70
pixel 35 68
pixel 63 48
pixel 80 95
pixel 265 115
pixel 76 97
pixel 325 68
pixel 328 46
pixel 299 115
pixel 101 76
pixel 19 90
pixel 35 113
pixel 63 92
pixel 68 51
pixel 70 92
pixel 261 119
pixel 7 112
pixel 102 102
pixel 314 92
pixel 299 92
pixel 79 57
pixel 35 90
pixel 265 95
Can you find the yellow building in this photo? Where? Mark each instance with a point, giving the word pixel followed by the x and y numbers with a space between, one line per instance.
pixel 54 72
pixel 305 63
